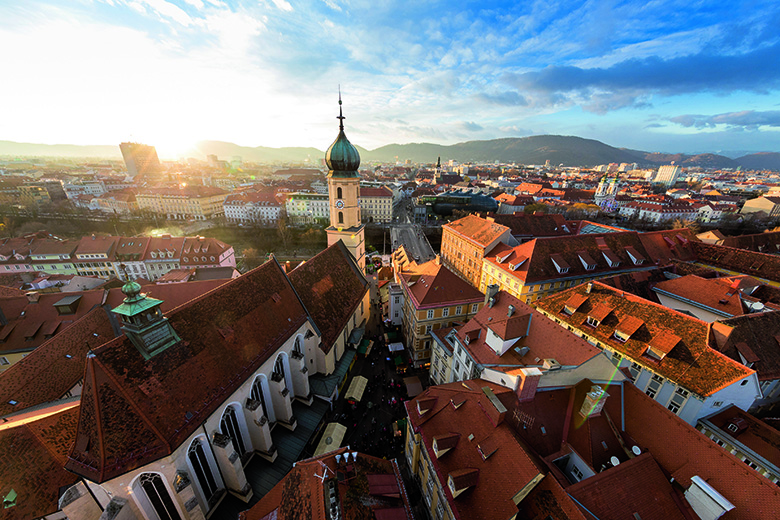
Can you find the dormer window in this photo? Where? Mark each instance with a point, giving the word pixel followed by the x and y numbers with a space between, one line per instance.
pixel 634 255
pixel 611 258
pixel 587 262
pixel 153 255
pixel 170 254
pixel 621 336
pixel 560 264
pixel 593 322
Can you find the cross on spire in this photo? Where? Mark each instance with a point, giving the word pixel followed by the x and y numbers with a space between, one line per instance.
pixel 340 117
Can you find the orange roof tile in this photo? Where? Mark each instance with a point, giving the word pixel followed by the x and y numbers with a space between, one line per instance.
pixel 479 230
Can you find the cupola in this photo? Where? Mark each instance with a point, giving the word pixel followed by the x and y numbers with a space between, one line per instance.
pixel 143 322
pixel 342 158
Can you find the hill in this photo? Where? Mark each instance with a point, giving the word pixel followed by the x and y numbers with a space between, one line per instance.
pixel 558 149
pixel 760 161
pixel 14 149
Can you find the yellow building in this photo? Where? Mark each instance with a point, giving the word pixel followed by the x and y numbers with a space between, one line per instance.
pixel 185 203
pixel 434 298
pixel 465 242
pixel 376 204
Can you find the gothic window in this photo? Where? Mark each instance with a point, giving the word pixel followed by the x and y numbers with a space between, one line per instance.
pixel 257 395
pixel 339 194
pixel 341 217
pixel 278 373
pixel 203 473
pixel 159 504
pixel 229 426
pixel 298 347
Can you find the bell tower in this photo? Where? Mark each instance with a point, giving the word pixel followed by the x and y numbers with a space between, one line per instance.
pixel 344 193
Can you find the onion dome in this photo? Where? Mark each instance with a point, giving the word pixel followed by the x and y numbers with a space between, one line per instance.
pixel 132 291
pixel 342 158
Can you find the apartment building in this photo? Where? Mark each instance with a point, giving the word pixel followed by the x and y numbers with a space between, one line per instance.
pixel 433 298
pixel 183 203
pixel 465 242
pixel 376 204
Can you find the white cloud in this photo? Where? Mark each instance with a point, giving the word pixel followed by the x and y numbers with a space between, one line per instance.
pixel 283 5
pixel 169 10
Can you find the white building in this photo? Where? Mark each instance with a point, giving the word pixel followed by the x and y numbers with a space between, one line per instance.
pixel 307 208
pixel 668 174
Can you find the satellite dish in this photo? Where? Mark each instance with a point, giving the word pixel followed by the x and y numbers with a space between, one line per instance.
pixel 614 460
pixel 636 450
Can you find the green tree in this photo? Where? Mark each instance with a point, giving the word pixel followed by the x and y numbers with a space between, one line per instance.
pixel 536 207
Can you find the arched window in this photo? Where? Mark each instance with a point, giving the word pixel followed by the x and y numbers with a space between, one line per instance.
pixel 298 347
pixel 154 497
pixel 229 426
pixel 339 194
pixel 257 394
pixel 278 373
pixel 341 217
pixel 196 454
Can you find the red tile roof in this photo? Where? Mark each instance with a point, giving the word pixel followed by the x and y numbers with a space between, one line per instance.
pixel 478 230
pixel 568 252
pixel 34 454
pixel 757 435
pixel 759 330
pixel 332 287
pixel 535 225
pixel 683 452
pixel 637 486
pixel 135 411
pixel 760 265
pixel 715 293
pixel 664 246
pixel 433 285
pixel 501 476
pixel 693 365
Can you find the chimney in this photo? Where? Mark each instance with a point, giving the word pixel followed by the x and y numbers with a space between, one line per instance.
pixel 588 288
pixel 32 297
pixel 437 259
pixel 705 500
pixel 593 402
pixel 510 311
pixel 528 380
pixel 492 291
pixel 496 411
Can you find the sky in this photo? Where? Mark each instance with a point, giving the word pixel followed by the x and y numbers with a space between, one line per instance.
pixel 671 76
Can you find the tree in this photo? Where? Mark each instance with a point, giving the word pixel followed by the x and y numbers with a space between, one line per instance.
pixel 536 207
pixel 283 230
pixel 251 258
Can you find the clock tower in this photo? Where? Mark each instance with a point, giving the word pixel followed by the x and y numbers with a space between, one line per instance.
pixel 343 193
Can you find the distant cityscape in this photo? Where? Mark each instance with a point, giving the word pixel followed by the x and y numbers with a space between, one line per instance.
pixel 336 338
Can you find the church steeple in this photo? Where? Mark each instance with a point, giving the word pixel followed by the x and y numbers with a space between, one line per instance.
pixel 143 322
pixel 344 194
pixel 342 158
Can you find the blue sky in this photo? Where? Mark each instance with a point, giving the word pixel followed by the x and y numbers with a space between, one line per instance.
pixel 673 76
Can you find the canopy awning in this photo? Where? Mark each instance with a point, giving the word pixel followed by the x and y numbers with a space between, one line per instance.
pixel 356 389
pixel 331 439
pixel 395 347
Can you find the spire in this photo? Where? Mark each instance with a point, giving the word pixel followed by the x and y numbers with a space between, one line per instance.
pixel 341 117
pixel 438 162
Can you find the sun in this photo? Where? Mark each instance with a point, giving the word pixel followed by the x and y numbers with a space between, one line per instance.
pixel 172 146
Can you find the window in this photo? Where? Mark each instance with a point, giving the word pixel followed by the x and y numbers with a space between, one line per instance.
pixel 458 310
pixel 575 471
pixel 154 497
pixel 743 383
pixel 474 307
pixel 341 217
pixel 229 426
pixel 428 329
pixel 257 394
pixel 616 358
pixel 4 361
pixel 732 428
pixel 430 314
pixel 204 475
pixel 445 312
pixel 592 322
pixel 635 370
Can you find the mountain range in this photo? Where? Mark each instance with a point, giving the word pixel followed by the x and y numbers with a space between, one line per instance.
pixel 558 149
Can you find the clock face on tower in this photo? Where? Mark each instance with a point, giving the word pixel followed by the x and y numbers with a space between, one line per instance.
pixel 340 204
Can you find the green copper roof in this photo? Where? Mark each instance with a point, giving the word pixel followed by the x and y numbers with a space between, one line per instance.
pixel 135 302
pixel 342 158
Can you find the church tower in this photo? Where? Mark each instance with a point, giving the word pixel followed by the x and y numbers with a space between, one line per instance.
pixel 142 321
pixel 343 193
